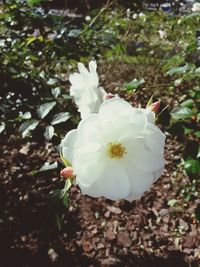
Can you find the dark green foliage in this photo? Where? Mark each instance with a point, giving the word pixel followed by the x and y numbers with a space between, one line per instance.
pixel 37 48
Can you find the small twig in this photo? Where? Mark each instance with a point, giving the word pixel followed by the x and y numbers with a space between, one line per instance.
pixel 160 85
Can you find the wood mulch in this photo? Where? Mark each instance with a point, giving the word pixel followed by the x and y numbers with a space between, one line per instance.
pixel 161 229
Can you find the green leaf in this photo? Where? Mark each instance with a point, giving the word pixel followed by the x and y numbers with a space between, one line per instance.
pixel 45 108
pixel 66 162
pixel 189 103
pixel 197 133
pixel 134 84
pixel 56 91
pixel 180 113
pixel 196 14
pixel 52 81
pixel 150 102
pixel 172 202
pixel 74 33
pixel 33 2
pixel 57 195
pixel 48 166
pixel 198 154
pixel 68 184
pixel 25 116
pixel 49 132
pixel 28 126
pixel 2 126
pixel 60 117
pixel 65 200
pixel 178 70
pixel 192 166
pixel 187 130
pixel 30 40
pixel 173 61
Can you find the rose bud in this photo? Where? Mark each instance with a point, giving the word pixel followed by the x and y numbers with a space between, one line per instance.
pixel 155 106
pixel 67 172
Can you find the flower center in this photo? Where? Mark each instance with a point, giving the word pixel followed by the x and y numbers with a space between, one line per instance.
pixel 115 150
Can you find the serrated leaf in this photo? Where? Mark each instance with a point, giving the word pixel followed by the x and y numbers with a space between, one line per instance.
pixel 133 85
pixel 60 117
pixel 2 126
pixel 49 132
pixel 45 108
pixel 28 126
pixel 180 113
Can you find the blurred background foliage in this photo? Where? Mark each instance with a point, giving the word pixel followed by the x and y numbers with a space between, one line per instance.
pixel 40 46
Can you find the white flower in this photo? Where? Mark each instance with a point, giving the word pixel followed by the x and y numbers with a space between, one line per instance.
pixel 141 15
pixel 87 18
pixel 85 89
pixel 162 34
pixel 196 7
pixel 134 15
pixel 117 153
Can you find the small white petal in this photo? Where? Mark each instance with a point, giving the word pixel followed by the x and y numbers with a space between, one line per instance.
pixel 88 129
pixel 85 89
pixel 91 190
pixel 92 66
pixel 114 183
pixel 68 145
pixel 141 156
pixel 113 106
pixel 154 139
pixel 88 167
pixel 134 196
pixel 82 69
pixel 140 181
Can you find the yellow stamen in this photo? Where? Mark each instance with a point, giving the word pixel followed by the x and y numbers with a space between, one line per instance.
pixel 116 150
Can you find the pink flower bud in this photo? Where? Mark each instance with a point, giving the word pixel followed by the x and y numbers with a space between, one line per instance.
pixel 155 106
pixel 108 96
pixel 67 173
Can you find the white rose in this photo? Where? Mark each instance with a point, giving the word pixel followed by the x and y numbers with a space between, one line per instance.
pixel 85 89
pixel 117 153
pixel 196 7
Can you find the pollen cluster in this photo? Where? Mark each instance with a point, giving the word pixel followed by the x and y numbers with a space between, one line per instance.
pixel 115 150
